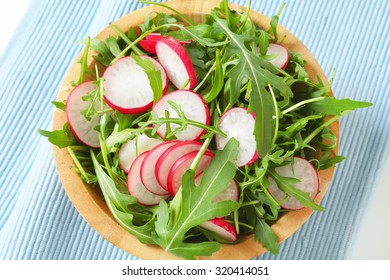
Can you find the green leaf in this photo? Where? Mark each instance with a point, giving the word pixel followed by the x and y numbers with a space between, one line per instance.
pixel 153 74
pixel 194 205
pixel 59 105
pixel 218 79
pixel 257 70
pixel 118 204
pixel 61 138
pixel 333 106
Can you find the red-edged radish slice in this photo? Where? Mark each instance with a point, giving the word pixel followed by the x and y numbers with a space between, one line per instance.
pixel 182 165
pixel 128 87
pixel 150 42
pixel 170 156
pixel 239 124
pixel 132 148
pixel 148 167
pixel 232 191
pixel 221 228
pixel 193 107
pixel 82 128
pixel 176 61
pixel 281 55
pixel 303 171
pixel 135 186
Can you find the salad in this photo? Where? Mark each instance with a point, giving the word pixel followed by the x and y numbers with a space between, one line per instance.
pixel 200 133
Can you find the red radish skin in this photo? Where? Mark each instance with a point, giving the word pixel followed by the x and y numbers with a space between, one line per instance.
pixel 281 54
pixel 148 167
pixel 303 171
pixel 221 228
pixel 150 42
pixel 193 107
pixel 170 156
pixel 182 165
pixel 137 189
pixel 129 150
pixel 128 87
pixel 176 61
pixel 232 191
pixel 82 128
pixel 240 124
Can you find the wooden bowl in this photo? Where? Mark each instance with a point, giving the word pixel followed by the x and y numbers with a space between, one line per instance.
pixel 89 201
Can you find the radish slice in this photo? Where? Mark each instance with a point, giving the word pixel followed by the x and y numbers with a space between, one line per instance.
pixel 239 124
pixel 82 128
pixel 135 186
pixel 221 228
pixel 231 192
pixel 193 107
pixel 281 55
pixel 176 61
pixel 148 167
pixel 309 182
pixel 150 42
pixel 182 165
pixel 170 156
pixel 128 87
pixel 132 148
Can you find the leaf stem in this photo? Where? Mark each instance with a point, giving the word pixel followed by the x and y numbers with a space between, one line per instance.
pixel 78 164
pixel 303 102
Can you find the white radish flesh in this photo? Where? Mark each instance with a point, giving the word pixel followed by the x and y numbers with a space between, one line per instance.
pixel 127 87
pixel 231 192
pixel 240 124
pixel 148 174
pixel 170 156
pixel 182 165
pixel 137 189
pixel 176 61
pixel 280 55
pixel 192 105
pixel 132 148
pixel 221 228
pixel 82 128
pixel 303 171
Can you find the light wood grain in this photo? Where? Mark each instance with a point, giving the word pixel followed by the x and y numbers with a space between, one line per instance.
pixel 89 202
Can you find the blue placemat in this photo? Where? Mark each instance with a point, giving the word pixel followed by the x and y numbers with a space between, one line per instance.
pixel 38 221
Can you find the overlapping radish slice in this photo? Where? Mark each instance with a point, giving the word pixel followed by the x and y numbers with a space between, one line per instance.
pixel 150 42
pixel 148 167
pixel 135 186
pixel 232 191
pixel 129 150
pixel 193 107
pixel 280 55
pixel 176 61
pixel 221 228
pixel 82 128
pixel 182 165
pixel 240 124
pixel 170 156
pixel 127 87
pixel 303 171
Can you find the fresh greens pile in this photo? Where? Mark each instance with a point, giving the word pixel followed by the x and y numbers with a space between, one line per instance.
pixel 229 53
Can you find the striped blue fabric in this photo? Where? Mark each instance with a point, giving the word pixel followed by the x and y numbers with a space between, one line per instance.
pixel 37 219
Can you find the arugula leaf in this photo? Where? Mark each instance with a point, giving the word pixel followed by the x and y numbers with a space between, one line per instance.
pixel 333 106
pixel 60 105
pixel 194 205
pixel 61 138
pixel 257 71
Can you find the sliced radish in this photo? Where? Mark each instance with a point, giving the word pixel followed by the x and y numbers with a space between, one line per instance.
pixel 239 124
pixel 135 186
pixel 182 165
pixel 148 167
pixel 170 156
pixel 231 192
pixel 127 87
pixel 193 107
pixel 176 61
pixel 309 182
pixel 280 53
pixel 221 228
pixel 132 148
pixel 82 128
pixel 150 42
